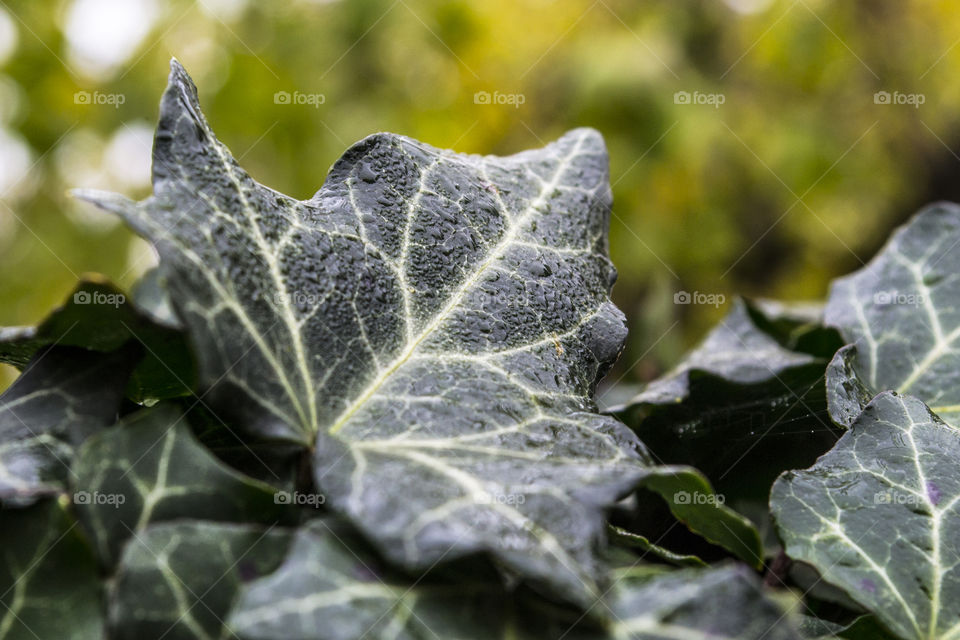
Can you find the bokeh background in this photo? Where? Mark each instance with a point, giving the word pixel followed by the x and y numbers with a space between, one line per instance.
pixel 784 169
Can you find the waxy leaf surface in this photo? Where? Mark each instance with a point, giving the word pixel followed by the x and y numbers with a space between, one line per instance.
pixel 902 311
pixel 328 589
pixel 433 323
pixel 178 580
pixel 49 583
pixel 878 517
pixel 64 396
pixel 150 468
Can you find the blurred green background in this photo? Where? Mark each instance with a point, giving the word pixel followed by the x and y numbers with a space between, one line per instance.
pixel 797 177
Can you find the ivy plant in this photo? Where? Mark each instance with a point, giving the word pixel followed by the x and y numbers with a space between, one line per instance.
pixel 371 414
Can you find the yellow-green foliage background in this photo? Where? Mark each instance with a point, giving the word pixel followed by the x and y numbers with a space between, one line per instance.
pixel 796 178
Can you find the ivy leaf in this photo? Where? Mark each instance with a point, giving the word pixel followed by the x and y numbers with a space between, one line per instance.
pixel 433 323
pixel 49 584
pixel 736 350
pixel 862 628
pixel 64 396
pixel 98 316
pixel 691 500
pixel 877 516
pixel 796 326
pixel 178 580
pixel 722 603
pixel 741 408
pixel 330 588
pixel 900 312
pixel 327 589
pixel 151 469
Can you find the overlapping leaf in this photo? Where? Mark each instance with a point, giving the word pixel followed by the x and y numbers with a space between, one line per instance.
pixel 723 603
pixel 151 469
pixel 692 500
pixel 902 311
pixel 98 316
pixel 327 589
pixel 878 516
pixel 49 584
pixel 178 580
pixel 435 323
pixel 863 628
pixel 742 407
pixel 736 350
pixel 63 397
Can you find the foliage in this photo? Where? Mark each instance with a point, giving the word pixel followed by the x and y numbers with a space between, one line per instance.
pixel 427 334
pixel 706 197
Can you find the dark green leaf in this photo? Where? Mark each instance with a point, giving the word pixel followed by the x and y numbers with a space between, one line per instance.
pixel 63 396
pixel 901 312
pixel 151 469
pixel 97 316
pixel 863 628
pixel 796 326
pixel 49 585
pixel 877 516
pixel 433 323
pixel 692 500
pixel 740 407
pixel 725 603
pixel 329 590
pixel 177 581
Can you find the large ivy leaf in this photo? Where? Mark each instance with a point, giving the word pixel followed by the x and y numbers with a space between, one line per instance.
pixel 877 516
pixel 177 581
pixel 901 313
pixel 49 584
pixel 329 589
pixel 98 316
pixel 151 469
pixel 434 323
pixel 63 396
